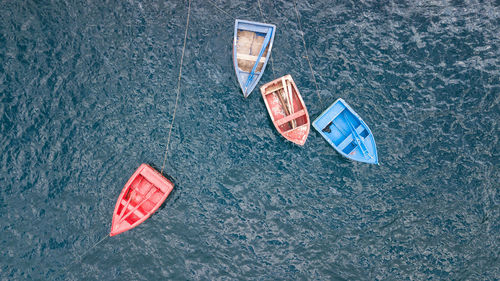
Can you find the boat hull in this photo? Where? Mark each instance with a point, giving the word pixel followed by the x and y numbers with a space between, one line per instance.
pixel 252 46
pixel 141 196
pixel 287 109
pixel 343 129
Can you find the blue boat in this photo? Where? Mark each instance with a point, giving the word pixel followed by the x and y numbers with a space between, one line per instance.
pixel 252 46
pixel 342 127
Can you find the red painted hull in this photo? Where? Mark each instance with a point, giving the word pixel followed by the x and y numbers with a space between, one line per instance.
pixel 287 109
pixel 141 196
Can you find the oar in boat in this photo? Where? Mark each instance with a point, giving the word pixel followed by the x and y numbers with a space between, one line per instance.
pixel 292 110
pixel 130 194
pixel 282 96
pixel 290 93
pixel 289 104
pixel 150 193
pixel 264 45
pixel 357 138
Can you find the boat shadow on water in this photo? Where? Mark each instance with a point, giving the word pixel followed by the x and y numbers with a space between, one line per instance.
pixel 172 193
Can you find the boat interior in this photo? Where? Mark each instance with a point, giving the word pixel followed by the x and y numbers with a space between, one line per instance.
pixel 286 106
pixel 140 198
pixel 339 130
pixel 248 47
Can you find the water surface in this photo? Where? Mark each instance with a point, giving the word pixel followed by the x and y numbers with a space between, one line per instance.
pixel 87 94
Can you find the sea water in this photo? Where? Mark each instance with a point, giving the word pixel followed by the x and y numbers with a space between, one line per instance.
pixel 88 90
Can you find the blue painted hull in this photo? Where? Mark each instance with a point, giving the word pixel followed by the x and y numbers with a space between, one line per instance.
pixel 343 129
pixel 251 53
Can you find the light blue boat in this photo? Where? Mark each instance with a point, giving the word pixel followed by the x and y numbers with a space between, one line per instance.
pixel 252 46
pixel 342 127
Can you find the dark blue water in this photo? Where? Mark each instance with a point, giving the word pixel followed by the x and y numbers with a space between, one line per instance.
pixel 87 92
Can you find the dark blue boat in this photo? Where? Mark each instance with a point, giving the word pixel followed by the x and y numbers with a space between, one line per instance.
pixel 252 46
pixel 347 132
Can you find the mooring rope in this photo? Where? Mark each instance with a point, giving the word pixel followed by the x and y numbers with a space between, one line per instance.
pixel 303 41
pixel 220 9
pixel 178 88
pixel 263 19
pixel 82 256
pixel 271 55
pixel 307 54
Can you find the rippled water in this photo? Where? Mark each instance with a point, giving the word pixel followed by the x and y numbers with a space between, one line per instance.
pixel 87 94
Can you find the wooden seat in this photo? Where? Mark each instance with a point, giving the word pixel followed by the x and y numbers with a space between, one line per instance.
pixel 290 117
pixel 251 58
pixel 271 89
pixel 137 212
pixel 350 138
pixel 296 128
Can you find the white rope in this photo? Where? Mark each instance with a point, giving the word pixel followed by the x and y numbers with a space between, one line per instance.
pixel 307 56
pixel 303 41
pixel 178 88
pixel 82 256
pixel 220 9
pixel 263 19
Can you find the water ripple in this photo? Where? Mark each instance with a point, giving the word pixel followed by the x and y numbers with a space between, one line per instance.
pixel 87 94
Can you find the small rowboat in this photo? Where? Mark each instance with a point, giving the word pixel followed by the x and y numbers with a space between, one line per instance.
pixel 142 195
pixel 347 132
pixel 287 109
pixel 252 46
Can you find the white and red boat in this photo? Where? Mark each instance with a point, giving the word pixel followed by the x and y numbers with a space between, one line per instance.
pixel 287 109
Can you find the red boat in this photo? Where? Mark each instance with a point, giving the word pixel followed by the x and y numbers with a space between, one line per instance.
pixel 141 196
pixel 287 109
